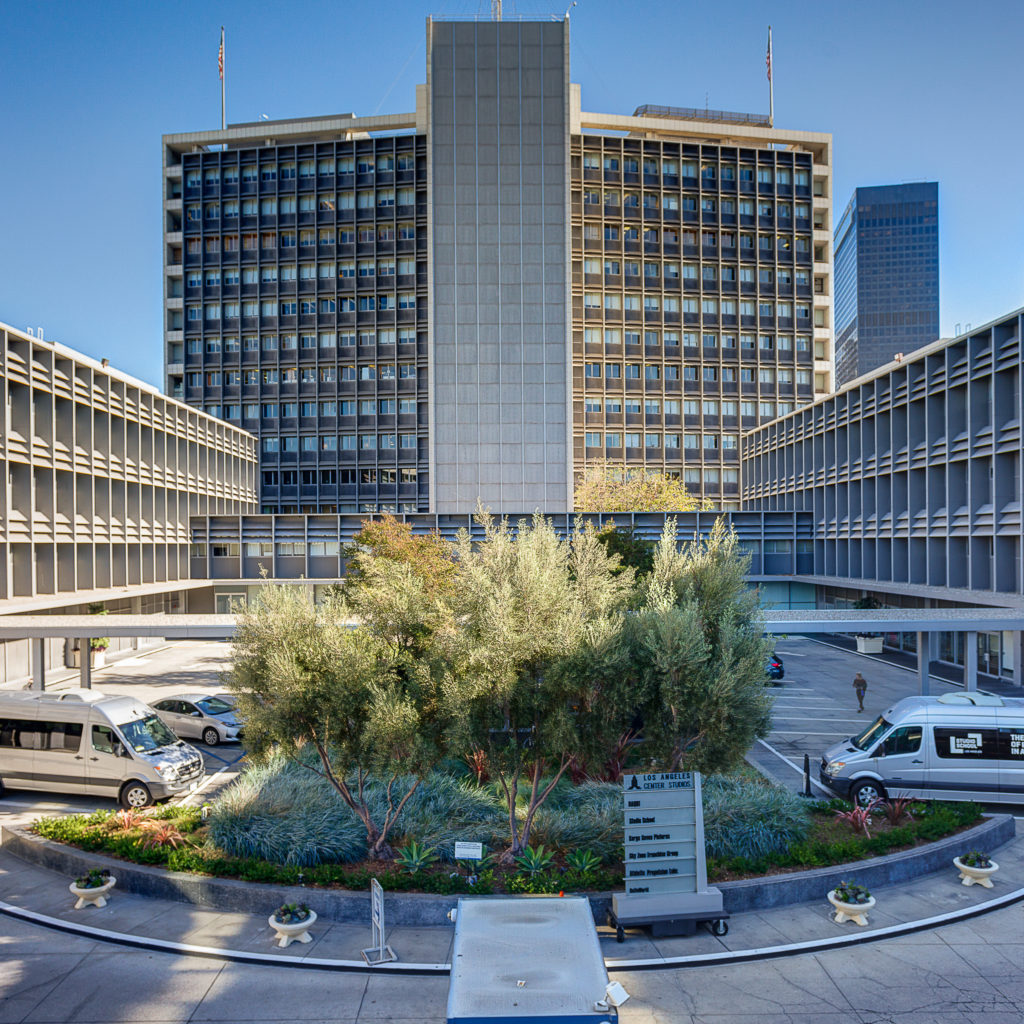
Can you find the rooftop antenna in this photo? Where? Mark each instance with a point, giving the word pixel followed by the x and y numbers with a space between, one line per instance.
pixel 569 8
pixel 495 10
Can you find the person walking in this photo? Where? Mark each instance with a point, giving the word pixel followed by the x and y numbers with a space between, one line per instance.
pixel 860 687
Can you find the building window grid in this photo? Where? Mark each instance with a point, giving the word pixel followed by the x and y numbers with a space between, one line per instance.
pixel 391 244
pixel 618 215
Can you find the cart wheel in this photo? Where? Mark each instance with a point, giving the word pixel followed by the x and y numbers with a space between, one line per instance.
pixel 620 933
pixel 719 927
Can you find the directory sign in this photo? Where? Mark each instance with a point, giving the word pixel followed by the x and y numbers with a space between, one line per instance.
pixel 663 837
pixel 660 832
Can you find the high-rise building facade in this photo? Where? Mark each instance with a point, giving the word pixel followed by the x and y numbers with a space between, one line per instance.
pixel 887 276
pixel 476 300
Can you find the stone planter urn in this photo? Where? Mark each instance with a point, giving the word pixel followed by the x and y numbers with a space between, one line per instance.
pixel 869 645
pixel 95 896
pixel 97 659
pixel 975 876
pixel 296 931
pixel 855 912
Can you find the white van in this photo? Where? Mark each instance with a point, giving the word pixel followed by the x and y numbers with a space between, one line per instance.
pixel 960 746
pixel 82 741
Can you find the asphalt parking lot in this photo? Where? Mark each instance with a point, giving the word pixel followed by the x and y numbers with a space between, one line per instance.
pixel 150 674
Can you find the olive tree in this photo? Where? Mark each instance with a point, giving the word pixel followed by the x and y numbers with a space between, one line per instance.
pixel 525 602
pixel 688 666
pixel 307 679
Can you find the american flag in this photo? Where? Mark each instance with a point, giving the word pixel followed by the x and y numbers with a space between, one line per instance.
pixel 220 57
pixel 768 56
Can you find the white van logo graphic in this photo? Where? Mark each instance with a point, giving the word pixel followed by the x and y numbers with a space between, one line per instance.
pixel 969 744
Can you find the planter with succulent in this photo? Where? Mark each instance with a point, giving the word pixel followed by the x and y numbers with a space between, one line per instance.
pixel 92 889
pixel 852 903
pixel 975 868
pixel 291 923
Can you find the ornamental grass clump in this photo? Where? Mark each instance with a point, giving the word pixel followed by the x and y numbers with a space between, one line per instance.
pixel 750 817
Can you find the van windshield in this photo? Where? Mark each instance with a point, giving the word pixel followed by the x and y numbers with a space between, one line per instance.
pixel 871 735
pixel 147 733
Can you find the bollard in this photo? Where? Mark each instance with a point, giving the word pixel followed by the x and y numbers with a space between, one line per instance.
pixel 807 777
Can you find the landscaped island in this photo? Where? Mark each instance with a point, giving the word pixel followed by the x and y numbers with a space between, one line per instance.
pixel 281 825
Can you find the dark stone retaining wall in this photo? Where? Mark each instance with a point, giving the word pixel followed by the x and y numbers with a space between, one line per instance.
pixel 425 909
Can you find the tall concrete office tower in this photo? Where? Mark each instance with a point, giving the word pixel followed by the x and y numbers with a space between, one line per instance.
pixel 478 299
pixel 887 276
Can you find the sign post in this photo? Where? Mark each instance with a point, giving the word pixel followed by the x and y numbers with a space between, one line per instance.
pixel 379 952
pixel 666 871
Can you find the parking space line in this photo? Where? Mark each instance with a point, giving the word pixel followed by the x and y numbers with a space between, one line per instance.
pixel 800 732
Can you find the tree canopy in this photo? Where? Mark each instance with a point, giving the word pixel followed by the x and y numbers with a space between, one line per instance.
pixel 607 488
pixel 534 654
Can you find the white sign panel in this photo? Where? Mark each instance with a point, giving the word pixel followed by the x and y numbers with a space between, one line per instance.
pixel 469 851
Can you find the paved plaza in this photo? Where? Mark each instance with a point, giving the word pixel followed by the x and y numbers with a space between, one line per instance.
pixel 970 972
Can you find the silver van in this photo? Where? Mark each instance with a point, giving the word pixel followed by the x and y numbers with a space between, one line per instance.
pixel 960 746
pixel 82 741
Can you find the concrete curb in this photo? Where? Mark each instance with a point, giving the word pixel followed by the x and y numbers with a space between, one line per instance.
pixel 311 963
pixel 425 909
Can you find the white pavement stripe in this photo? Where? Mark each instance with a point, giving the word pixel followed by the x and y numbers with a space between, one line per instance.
pixel 202 785
pixel 808 718
pixel 800 732
pixel 799 771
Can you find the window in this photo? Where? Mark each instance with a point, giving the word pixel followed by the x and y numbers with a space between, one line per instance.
pixel 690 442
pixel 632 440
pixel 593 440
pixel 652 372
pixel 613 371
pixel 592 370
pixel 613 440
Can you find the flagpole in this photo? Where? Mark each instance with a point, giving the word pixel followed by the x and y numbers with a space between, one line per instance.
pixel 771 83
pixel 223 105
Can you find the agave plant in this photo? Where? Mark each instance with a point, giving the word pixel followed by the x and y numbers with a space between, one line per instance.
pixel 291 913
pixel 850 892
pixel 582 861
pixel 413 857
pixel 535 859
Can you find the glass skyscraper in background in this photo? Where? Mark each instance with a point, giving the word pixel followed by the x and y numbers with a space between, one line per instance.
pixel 886 276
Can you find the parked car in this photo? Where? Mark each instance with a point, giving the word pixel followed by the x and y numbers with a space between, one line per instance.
pixel 960 746
pixel 82 741
pixel 775 669
pixel 199 716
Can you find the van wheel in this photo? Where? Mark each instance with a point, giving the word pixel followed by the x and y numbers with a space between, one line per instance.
pixel 211 737
pixel 135 795
pixel 862 793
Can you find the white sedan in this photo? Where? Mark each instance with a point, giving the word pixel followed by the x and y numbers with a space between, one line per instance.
pixel 199 716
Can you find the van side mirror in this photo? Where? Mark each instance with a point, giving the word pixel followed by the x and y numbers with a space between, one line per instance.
pixel 120 750
pixel 879 751
pixel 197 714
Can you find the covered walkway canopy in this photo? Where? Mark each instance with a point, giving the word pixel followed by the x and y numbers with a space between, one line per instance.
pixel 923 621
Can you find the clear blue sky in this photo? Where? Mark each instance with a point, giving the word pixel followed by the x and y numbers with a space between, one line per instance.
pixel 910 90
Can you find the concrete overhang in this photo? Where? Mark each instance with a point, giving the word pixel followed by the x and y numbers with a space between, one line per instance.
pixel 171 627
pixel 893 620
